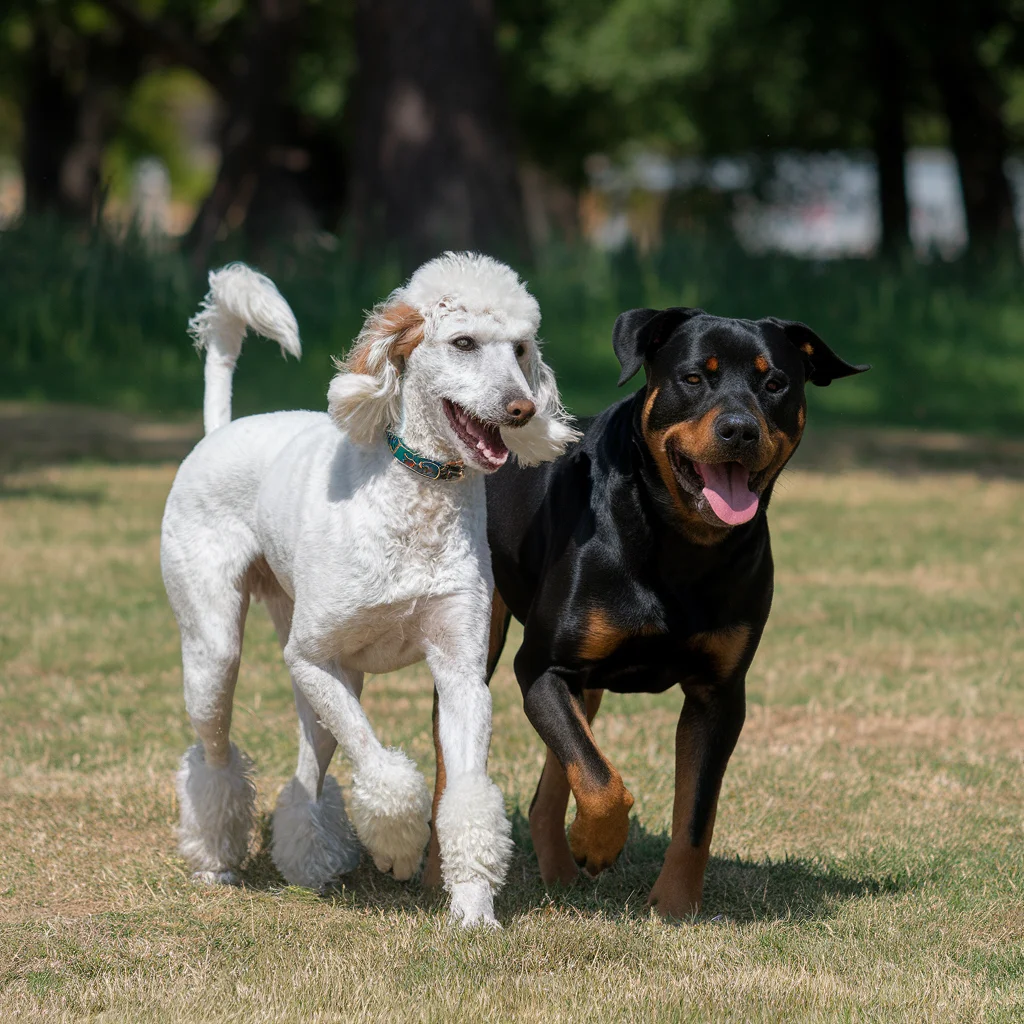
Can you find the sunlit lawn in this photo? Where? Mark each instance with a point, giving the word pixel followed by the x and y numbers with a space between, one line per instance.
pixel 869 852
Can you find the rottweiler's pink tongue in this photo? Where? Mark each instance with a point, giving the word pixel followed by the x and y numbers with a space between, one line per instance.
pixel 726 486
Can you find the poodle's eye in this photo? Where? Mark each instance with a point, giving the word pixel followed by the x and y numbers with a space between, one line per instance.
pixel 692 378
pixel 520 349
pixel 774 385
pixel 464 344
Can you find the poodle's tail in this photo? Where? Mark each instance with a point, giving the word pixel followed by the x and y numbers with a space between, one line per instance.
pixel 238 298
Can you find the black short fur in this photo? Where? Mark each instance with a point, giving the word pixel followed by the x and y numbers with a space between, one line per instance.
pixel 621 573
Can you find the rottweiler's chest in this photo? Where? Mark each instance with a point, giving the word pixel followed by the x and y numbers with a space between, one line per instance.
pixel 654 657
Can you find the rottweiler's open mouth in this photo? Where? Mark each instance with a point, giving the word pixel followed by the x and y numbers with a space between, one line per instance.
pixel 725 486
pixel 727 489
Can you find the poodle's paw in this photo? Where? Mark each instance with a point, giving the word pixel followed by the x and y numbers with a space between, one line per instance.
pixel 313 841
pixel 391 812
pixel 215 878
pixel 218 808
pixel 472 905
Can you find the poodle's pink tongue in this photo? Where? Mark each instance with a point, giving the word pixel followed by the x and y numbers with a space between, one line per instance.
pixel 726 486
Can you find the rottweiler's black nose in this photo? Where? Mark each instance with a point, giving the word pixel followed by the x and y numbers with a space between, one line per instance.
pixel 739 429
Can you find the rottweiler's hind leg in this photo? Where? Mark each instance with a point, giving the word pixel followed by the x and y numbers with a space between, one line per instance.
pixel 500 619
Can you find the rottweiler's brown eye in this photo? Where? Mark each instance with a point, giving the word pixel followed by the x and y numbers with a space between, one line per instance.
pixel 464 344
pixel 693 378
pixel 774 385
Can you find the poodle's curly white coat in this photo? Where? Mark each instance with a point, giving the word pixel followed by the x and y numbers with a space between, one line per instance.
pixel 363 565
pixel 313 840
pixel 217 803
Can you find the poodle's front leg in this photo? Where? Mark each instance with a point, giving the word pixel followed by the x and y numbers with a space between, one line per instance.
pixel 473 834
pixel 390 803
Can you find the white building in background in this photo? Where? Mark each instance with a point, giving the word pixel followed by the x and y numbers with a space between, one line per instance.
pixel 814 205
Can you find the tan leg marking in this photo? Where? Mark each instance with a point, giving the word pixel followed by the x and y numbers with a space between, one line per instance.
pixel 598 832
pixel 496 632
pixel 432 870
pixel 680 886
pixel 725 647
pixel 601 637
pixel 547 813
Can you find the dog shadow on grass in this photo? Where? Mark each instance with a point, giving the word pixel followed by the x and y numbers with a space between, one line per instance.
pixel 735 890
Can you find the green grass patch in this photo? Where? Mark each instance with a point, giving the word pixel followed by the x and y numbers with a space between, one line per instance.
pixel 89 319
pixel 867 859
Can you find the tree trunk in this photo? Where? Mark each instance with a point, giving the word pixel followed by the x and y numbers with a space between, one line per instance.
pixel 50 126
pixel 977 136
pixel 249 126
pixel 65 128
pixel 890 141
pixel 433 166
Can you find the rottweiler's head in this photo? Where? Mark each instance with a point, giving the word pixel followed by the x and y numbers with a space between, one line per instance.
pixel 724 406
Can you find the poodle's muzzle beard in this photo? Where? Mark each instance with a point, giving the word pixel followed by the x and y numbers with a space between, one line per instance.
pixel 481 441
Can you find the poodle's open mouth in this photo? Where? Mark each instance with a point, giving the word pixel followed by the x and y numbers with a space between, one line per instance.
pixel 725 487
pixel 482 440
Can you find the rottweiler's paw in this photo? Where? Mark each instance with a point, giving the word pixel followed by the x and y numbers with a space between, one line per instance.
pixel 598 834
pixel 674 902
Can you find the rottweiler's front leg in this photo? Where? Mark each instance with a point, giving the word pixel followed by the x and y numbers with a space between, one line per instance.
pixel 598 833
pixel 708 729
pixel 547 812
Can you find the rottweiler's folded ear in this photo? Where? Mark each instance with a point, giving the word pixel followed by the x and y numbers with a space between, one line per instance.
pixel 638 332
pixel 823 365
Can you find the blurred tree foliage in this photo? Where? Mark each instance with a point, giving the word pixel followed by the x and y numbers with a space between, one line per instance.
pixel 756 76
pixel 88 86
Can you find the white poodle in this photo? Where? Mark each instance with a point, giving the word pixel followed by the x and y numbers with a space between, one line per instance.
pixel 364 532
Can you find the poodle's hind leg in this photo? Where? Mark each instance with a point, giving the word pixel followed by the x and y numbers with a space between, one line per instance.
pixel 216 794
pixel 313 841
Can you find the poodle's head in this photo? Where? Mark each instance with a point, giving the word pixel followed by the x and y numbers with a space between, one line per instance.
pixel 454 355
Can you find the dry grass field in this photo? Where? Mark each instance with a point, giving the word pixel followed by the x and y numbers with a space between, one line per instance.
pixel 868 862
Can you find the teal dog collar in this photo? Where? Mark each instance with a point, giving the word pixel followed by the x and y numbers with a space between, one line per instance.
pixel 430 468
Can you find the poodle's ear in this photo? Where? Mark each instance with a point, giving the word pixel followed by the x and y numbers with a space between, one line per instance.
pixel 550 430
pixel 363 398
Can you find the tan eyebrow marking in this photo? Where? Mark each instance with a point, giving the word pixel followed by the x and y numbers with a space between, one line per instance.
pixel 808 348
pixel 712 363
pixel 761 363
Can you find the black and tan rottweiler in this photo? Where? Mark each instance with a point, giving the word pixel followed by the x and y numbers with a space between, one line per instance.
pixel 640 560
